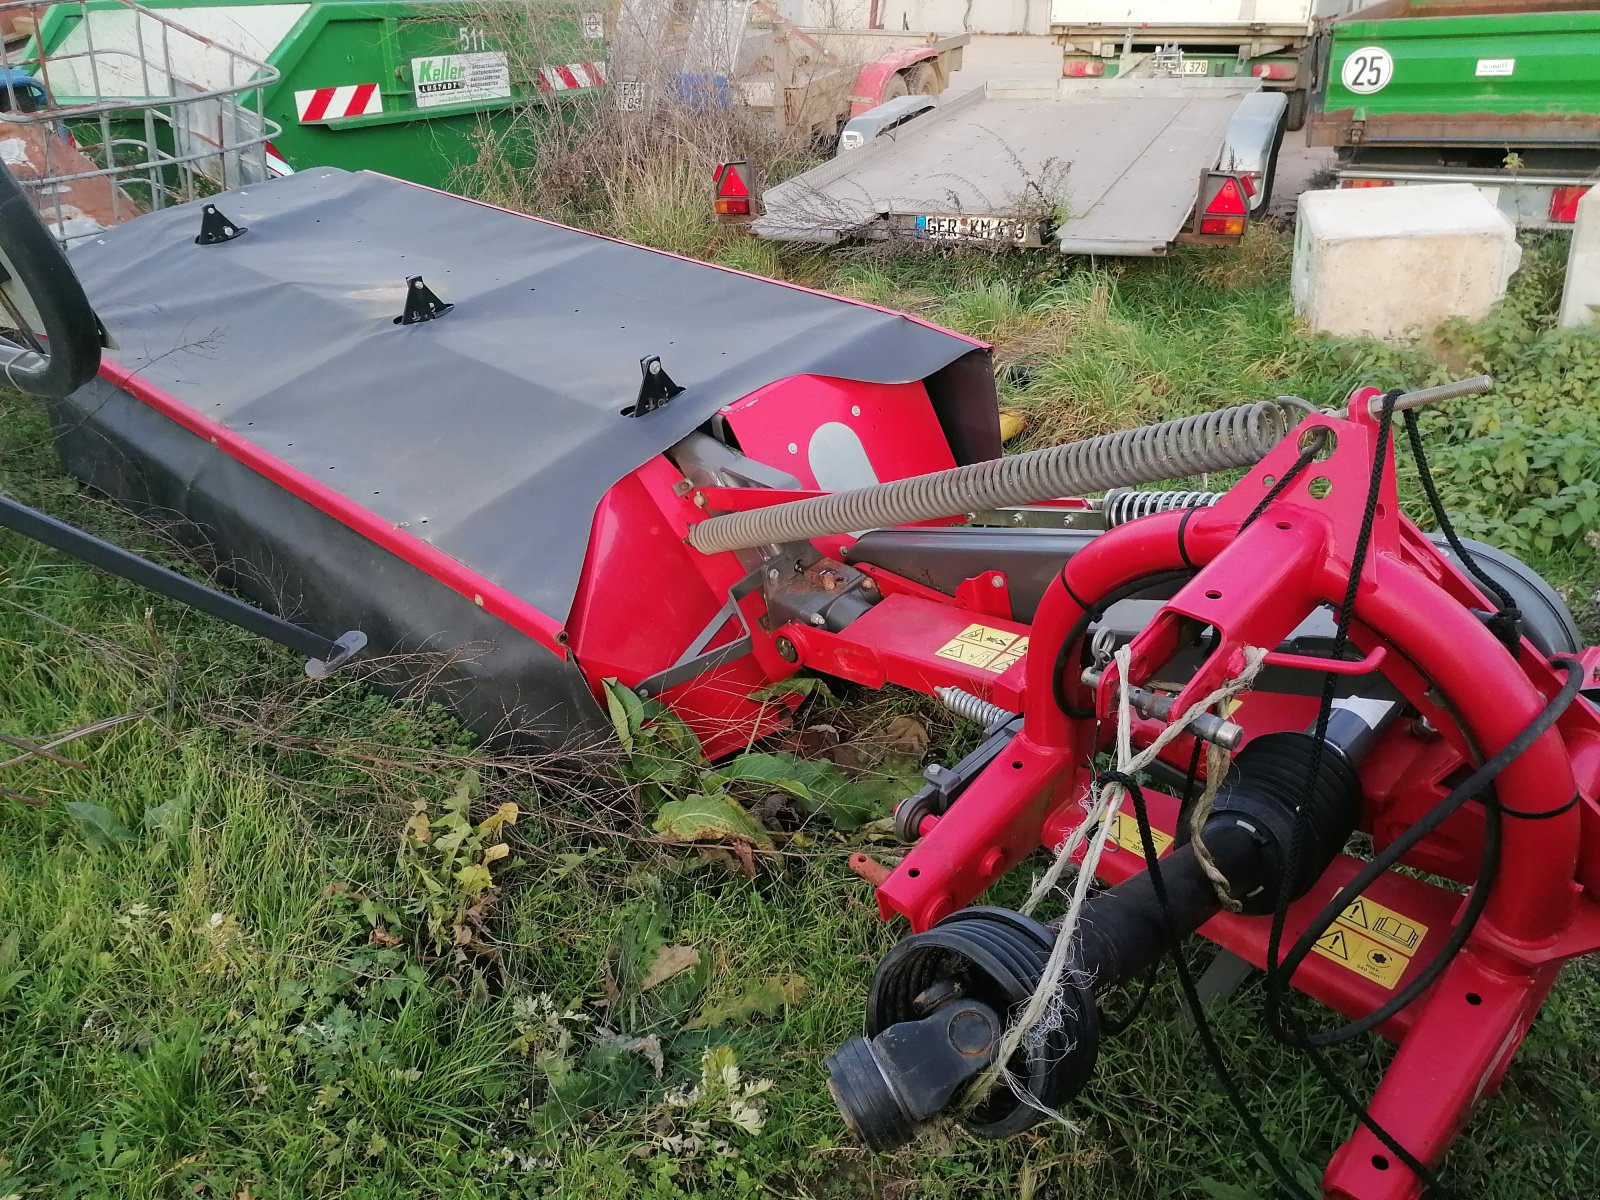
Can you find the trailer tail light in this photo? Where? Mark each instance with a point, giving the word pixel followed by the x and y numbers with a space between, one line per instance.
pixel 1225 210
pixel 1365 183
pixel 1279 71
pixel 733 192
pixel 1083 68
pixel 1564 204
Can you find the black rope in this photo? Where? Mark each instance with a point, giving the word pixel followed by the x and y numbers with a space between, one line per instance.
pixel 1117 1025
pixel 1287 1183
pixel 1307 457
pixel 1506 624
pixel 1277 985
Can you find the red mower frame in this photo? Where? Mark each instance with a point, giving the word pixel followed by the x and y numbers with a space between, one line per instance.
pixel 1252 582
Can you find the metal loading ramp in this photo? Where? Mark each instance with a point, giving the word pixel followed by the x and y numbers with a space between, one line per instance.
pixel 1120 160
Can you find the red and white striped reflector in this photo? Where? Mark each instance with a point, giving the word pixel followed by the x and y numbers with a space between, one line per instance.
pixel 570 77
pixel 336 103
pixel 275 161
pixel 1078 68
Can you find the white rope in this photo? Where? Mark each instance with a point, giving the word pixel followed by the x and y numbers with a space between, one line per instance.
pixel 1095 829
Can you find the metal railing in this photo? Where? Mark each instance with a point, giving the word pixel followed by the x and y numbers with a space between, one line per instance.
pixel 110 109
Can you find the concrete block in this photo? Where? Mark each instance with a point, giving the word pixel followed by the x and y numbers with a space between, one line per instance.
pixel 1580 299
pixel 1393 263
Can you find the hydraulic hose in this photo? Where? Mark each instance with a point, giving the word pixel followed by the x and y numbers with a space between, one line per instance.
pixel 1240 436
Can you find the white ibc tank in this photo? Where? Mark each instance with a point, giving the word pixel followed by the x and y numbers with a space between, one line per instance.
pixel 1394 262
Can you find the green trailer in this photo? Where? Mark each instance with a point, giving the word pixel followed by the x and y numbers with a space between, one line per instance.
pixel 1500 93
pixel 411 88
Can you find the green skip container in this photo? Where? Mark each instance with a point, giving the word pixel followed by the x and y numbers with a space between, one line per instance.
pixel 412 88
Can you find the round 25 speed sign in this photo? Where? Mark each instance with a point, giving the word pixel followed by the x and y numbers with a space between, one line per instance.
pixel 1367 70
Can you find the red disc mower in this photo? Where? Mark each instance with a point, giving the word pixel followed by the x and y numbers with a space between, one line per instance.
pixel 529 459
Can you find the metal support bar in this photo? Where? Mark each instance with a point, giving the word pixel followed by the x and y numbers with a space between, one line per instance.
pixel 1207 726
pixel 324 655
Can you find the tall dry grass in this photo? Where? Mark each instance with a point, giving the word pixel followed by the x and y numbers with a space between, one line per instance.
pixel 632 161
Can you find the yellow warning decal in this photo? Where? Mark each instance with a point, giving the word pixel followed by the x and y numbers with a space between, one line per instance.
pixel 1394 929
pixel 985 647
pixel 1374 940
pixel 1125 835
pixel 1363 955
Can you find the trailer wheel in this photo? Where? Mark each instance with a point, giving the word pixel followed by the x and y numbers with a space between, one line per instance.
pixel 923 80
pixel 1270 175
pixel 49 336
pixel 1295 115
pixel 895 88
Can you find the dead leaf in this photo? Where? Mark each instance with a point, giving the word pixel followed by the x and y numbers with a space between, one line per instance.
pixel 669 961
pixel 779 811
pixel 848 757
pixel 906 734
pixel 382 937
pixel 747 859
pixel 1012 423
pixel 650 1047
pixel 713 818
pixel 816 738
pixel 761 998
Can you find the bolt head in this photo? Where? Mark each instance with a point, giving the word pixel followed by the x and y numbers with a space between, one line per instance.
pixel 655 368
pixel 818 619
pixel 1017 518
pixel 997 581
pixel 772 572
pixel 971 1033
pixel 786 650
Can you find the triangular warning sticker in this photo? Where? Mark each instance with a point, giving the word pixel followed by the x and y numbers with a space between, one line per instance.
pixel 1333 943
pixel 1356 915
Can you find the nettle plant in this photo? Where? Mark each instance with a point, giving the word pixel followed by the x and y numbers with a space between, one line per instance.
pixel 1524 471
pixel 694 801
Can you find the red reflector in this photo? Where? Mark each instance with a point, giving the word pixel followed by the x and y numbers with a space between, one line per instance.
pixel 1225 226
pixel 1564 203
pixel 1365 183
pixel 730 181
pixel 1229 200
pixel 1083 68
pixel 1275 70
pixel 1249 185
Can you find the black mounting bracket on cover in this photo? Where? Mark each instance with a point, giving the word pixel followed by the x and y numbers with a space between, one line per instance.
pixel 215 228
pixel 421 303
pixel 655 389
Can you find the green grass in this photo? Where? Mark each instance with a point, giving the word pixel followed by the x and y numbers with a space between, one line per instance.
pixel 215 976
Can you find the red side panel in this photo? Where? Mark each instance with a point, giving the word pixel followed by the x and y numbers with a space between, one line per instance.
pixel 646 597
pixel 832 434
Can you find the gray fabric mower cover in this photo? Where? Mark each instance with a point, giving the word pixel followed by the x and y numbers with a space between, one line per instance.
pixel 492 432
